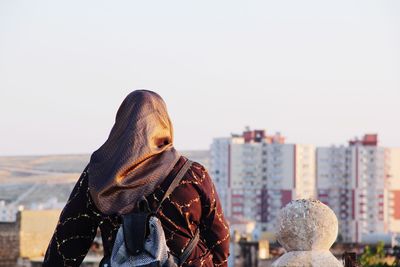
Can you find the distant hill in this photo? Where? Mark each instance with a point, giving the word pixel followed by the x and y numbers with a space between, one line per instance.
pixel 32 180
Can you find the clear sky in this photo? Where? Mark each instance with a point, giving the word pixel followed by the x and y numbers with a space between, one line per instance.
pixel 320 72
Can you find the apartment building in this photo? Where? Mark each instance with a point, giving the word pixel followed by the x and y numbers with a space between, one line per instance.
pixel 361 183
pixel 257 174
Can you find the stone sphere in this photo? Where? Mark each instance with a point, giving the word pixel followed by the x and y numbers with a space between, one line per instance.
pixel 305 225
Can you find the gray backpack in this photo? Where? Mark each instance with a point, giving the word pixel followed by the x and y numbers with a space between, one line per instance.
pixel 140 240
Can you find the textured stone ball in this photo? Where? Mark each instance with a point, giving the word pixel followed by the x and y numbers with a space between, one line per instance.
pixel 305 225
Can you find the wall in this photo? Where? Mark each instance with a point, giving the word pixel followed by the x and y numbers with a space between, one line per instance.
pixel 9 244
pixel 37 228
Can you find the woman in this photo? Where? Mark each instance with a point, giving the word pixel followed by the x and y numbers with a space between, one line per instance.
pixel 138 159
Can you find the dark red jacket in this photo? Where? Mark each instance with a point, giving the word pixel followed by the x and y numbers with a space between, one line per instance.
pixel 194 203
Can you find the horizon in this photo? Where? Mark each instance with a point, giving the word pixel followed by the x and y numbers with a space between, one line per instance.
pixel 192 150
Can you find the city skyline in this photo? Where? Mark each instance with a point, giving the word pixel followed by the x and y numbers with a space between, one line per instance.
pixel 256 175
pixel 319 73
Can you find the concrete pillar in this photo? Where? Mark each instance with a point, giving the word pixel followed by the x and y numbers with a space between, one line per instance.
pixel 307 229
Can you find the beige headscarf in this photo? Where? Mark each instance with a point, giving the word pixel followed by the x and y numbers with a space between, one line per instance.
pixel 137 156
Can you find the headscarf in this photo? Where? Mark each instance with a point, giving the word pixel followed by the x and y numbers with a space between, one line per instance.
pixel 137 156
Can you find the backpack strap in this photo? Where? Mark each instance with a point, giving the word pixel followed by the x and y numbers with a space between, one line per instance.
pixel 175 182
pixel 189 248
pixel 193 242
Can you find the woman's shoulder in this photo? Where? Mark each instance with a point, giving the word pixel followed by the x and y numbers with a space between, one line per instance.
pixel 198 167
pixel 196 174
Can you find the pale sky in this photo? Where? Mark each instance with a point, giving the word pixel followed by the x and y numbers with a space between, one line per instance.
pixel 319 72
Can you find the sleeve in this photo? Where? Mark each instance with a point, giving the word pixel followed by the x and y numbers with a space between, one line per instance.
pixel 76 228
pixel 214 230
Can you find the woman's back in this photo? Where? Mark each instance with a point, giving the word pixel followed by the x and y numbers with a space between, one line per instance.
pixel 193 204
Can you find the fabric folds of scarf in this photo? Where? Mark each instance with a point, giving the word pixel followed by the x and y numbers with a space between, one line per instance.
pixel 137 156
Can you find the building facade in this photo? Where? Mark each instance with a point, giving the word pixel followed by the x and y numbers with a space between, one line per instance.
pixel 361 183
pixel 257 174
pixel 8 212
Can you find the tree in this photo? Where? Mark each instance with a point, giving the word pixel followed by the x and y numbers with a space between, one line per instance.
pixel 375 258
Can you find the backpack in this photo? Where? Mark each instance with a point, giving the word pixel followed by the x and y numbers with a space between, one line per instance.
pixel 140 240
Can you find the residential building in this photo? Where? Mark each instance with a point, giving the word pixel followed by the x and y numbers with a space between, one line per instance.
pixel 257 174
pixel 361 183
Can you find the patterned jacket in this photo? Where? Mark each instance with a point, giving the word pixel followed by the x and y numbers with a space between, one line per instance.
pixel 194 203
